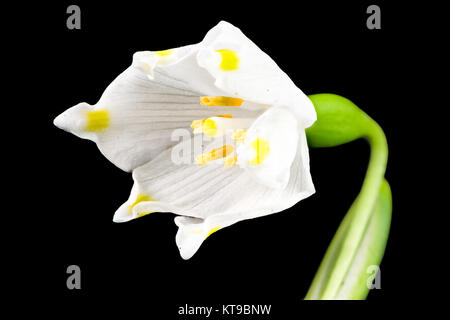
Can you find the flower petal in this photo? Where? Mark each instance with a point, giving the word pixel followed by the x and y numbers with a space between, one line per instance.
pixel 241 69
pixel 135 117
pixel 270 146
pixel 190 236
pixel 215 195
pixel 179 69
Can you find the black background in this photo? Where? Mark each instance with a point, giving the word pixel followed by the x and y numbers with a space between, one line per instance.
pixel 324 47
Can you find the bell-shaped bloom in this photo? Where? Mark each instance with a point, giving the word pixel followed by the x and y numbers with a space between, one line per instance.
pixel 255 160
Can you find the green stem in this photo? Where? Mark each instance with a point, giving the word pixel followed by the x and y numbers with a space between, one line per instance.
pixel 361 209
pixel 371 249
pixel 345 245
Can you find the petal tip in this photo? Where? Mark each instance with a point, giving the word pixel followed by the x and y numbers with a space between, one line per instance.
pixel 144 61
pixel 62 121
pixel 58 121
pixel 72 120
pixel 123 214
pixel 185 255
pixel 118 219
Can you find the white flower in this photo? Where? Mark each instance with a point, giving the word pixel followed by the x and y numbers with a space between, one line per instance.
pixel 256 162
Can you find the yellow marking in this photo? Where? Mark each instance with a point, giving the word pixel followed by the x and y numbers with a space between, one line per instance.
pixel 197 125
pixel 262 150
pixel 209 128
pixel 143 214
pixel 211 101
pixel 212 231
pixel 230 60
pixel 239 135
pixel 231 161
pixel 97 120
pixel 214 154
pixel 140 198
pixel 163 53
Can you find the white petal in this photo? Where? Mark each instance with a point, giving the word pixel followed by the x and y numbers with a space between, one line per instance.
pixel 251 75
pixel 216 195
pixel 179 70
pixel 126 212
pixel 135 117
pixel 191 234
pixel 270 147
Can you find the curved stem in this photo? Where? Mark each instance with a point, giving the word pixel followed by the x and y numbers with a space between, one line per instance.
pixel 344 246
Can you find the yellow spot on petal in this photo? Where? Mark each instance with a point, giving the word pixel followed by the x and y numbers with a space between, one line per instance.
pixel 210 101
pixel 230 60
pixel 211 231
pixel 163 53
pixel 261 147
pixel 239 135
pixel 143 214
pixel 214 154
pixel 197 125
pixel 209 128
pixel 140 198
pixel 231 161
pixel 97 120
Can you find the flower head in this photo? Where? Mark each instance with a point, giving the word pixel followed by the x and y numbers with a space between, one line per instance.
pixel 246 115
